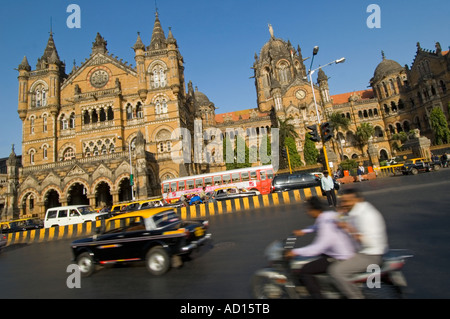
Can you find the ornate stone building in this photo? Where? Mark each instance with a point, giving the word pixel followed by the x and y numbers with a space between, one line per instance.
pixel 88 132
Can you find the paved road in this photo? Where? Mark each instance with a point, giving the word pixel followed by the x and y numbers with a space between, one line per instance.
pixel 415 207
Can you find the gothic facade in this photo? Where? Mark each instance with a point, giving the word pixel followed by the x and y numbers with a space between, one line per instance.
pixel 104 132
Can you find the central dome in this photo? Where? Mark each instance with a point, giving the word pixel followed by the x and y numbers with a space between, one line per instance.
pixel 385 68
pixel 274 47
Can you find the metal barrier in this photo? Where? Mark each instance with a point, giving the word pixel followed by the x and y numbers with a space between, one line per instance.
pixel 388 170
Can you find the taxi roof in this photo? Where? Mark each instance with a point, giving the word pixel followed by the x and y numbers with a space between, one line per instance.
pixel 145 213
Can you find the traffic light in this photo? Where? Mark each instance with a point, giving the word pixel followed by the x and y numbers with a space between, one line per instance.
pixel 284 152
pixel 326 130
pixel 313 132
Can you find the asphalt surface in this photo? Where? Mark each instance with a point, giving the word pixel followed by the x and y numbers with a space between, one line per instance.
pixel 416 209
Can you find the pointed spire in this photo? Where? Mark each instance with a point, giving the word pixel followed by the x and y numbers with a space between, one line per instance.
pixel 321 76
pixel 24 64
pixel 158 38
pixel 50 50
pixel 139 45
pixel 99 45
pixel 170 38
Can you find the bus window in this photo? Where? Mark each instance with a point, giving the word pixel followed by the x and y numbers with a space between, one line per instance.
pixel 263 175
pixel 181 186
pixel 226 179
pixel 166 188
pixel 235 177
pixel 198 182
pixel 217 180
pixel 244 176
pixel 190 184
pixel 253 175
pixel 270 174
pixel 173 186
pixel 208 181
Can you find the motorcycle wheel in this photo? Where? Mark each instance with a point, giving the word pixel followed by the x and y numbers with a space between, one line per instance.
pixel 264 288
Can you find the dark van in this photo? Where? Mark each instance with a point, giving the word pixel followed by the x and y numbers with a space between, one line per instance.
pixel 281 183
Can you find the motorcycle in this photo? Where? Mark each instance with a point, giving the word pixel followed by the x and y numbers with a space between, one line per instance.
pixel 279 280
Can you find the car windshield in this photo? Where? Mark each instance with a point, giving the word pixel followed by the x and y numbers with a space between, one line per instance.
pixel 165 218
pixel 84 210
pixel 408 162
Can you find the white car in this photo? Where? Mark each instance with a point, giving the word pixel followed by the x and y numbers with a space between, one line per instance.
pixel 68 215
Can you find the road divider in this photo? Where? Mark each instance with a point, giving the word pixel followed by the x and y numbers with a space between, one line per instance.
pixel 195 211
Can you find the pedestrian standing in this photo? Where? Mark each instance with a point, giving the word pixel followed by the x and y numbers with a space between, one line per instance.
pixel 328 187
pixel 360 172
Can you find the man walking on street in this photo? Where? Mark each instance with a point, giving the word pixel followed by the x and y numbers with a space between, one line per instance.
pixel 328 187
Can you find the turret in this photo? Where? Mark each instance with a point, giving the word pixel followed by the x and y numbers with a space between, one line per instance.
pixel 24 74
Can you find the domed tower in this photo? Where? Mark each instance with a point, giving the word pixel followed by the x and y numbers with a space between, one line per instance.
pixel 387 84
pixel 277 69
pixel 204 109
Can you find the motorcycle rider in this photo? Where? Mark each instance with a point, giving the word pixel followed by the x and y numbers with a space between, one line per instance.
pixel 367 226
pixel 330 244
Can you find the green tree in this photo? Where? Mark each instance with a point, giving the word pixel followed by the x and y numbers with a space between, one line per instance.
pixel 440 126
pixel 265 150
pixel 339 121
pixel 310 152
pixel 363 133
pixel 286 130
pixel 240 159
pixel 294 157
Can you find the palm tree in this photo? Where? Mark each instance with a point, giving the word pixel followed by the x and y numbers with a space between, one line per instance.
pixel 286 130
pixel 339 121
pixel 363 133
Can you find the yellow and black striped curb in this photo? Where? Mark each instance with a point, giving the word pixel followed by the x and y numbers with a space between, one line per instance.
pixel 191 212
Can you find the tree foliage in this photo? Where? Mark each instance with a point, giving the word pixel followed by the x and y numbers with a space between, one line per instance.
pixel 310 152
pixel 440 126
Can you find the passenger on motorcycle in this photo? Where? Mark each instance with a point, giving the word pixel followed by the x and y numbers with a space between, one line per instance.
pixel 366 224
pixel 330 244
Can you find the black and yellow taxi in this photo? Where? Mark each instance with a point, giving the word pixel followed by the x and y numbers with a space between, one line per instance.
pixel 21 224
pixel 157 236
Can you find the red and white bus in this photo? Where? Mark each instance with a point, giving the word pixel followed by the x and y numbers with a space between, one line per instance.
pixel 251 178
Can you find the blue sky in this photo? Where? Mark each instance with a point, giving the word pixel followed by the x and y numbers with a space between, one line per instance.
pixel 218 40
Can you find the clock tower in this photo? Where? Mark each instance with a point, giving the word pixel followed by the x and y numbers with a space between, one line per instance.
pixel 283 87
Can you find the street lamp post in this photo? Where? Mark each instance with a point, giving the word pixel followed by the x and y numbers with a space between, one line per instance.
pixel 311 72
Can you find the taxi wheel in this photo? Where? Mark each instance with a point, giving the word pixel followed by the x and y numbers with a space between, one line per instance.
pixel 86 264
pixel 157 261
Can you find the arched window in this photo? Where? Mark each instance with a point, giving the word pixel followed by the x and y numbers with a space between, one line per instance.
pixel 110 114
pixel 72 121
pixel 139 112
pixel 161 106
pixel 44 123
pixel 32 153
pixel 86 117
pixel 378 132
pixel 158 76
pixel 64 123
pixel 283 72
pixel 39 97
pixel 393 106
pixel 102 115
pixel 69 154
pixel 129 111
pixel 45 151
pixel 94 116
pixel 32 121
